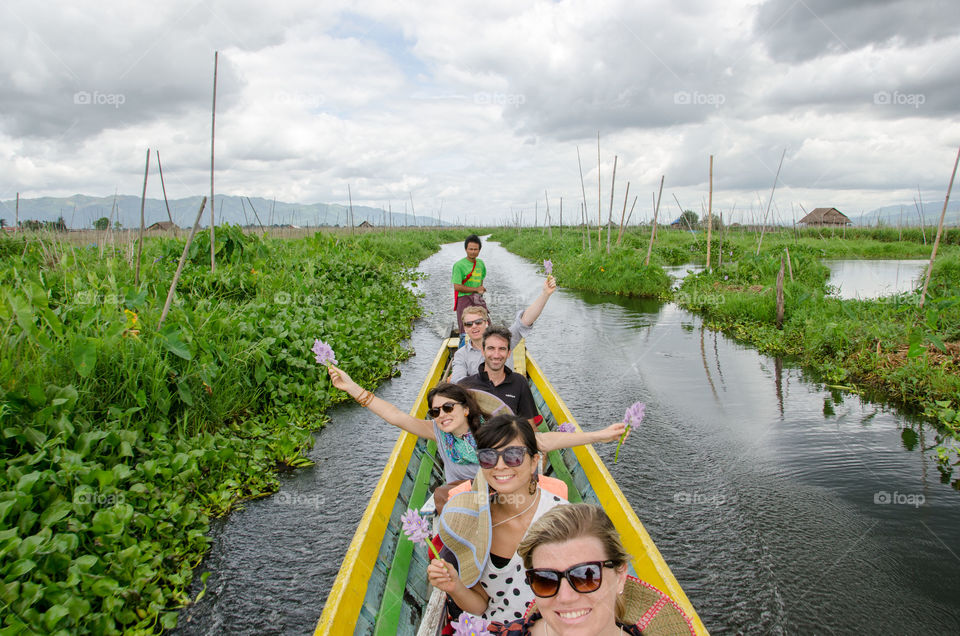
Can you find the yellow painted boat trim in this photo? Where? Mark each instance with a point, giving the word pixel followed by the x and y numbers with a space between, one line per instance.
pixel 346 598
pixel 647 561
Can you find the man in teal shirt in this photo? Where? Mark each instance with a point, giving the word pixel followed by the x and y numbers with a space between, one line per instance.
pixel 467 279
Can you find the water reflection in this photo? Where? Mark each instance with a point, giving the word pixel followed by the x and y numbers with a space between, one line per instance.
pixel 874 278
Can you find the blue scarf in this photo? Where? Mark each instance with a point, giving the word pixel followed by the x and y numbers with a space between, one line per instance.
pixel 462 450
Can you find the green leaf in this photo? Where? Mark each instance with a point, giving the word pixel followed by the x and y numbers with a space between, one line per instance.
pixel 183 389
pixel 53 616
pixel 5 507
pixel 172 343
pixel 936 342
pixel 20 568
pixel 84 355
pixel 55 512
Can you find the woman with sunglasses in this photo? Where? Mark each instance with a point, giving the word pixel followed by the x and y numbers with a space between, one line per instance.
pixel 576 567
pixel 509 456
pixel 455 420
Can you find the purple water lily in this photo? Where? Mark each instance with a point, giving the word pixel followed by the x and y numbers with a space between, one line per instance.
pixel 323 352
pixel 548 267
pixel 468 625
pixel 567 427
pixel 632 417
pixel 417 529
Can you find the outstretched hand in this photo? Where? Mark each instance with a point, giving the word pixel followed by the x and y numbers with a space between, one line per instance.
pixel 550 285
pixel 340 379
pixel 613 432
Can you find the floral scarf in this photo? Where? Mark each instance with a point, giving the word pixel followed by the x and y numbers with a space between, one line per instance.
pixel 462 450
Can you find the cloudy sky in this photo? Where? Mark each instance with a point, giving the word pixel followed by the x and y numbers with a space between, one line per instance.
pixel 476 108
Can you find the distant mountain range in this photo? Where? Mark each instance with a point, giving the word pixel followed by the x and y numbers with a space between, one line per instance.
pixel 891 215
pixel 80 211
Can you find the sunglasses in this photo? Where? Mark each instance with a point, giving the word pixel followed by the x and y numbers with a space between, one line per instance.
pixel 512 456
pixel 583 578
pixel 470 323
pixel 447 407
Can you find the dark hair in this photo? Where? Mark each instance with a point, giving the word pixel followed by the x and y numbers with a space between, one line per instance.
pixel 502 429
pixel 497 330
pixel 473 238
pixel 463 396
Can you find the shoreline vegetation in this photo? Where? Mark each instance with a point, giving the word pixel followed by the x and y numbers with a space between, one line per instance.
pixel 121 440
pixel 888 349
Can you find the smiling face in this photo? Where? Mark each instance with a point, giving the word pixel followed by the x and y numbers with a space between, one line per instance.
pixel 570 612
pixel 474 331
pixel 509 479
pixel 495 352
pixel 453 422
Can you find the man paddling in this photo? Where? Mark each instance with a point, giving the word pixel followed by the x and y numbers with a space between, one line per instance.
pixel 467 359
pixel 467 279
pixel 494 376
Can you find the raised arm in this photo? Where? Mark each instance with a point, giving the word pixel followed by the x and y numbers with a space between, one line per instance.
pixel 555 440
pixel 531 313
pixel 386 411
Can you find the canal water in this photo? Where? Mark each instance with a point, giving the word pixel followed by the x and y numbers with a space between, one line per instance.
pixel 857 278
pixel 782 506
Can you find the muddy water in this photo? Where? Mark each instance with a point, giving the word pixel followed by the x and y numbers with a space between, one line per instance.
pixel 782 507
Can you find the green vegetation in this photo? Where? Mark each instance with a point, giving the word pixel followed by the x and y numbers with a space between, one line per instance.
pixel 888 347
pixel 120 440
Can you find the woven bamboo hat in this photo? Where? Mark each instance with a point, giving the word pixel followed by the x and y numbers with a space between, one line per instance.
pixel 467 531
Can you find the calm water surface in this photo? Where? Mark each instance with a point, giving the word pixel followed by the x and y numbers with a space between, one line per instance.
pixel 874 278
pixel 781 507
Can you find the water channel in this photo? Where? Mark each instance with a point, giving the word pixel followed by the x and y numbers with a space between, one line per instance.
pixel 780 505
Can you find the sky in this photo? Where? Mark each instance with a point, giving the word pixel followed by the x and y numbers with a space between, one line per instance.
pixel 476 111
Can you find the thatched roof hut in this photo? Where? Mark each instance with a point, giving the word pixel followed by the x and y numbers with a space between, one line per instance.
pixel 163 226
pixel 826 216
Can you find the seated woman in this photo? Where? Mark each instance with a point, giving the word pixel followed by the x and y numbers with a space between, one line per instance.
pixel 489 583
pixel 455 421
pixel 576 567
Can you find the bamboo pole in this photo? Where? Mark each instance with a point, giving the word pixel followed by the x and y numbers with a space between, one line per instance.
pixel 413 210
pixel 583 226
pixel 923 220
pixel 623 212
pixel 599 198
pixel 936 242
pixel 183 259
pixel 632 206
pixel 549 224
pixel 763 226
pixel 17 213
pixel 257 216
pixel 780 302
pixel 143 201
pixel 350 197
pixel 213 129
pixel 613 183
pixel 710 214
pixel 164 188
pixel 583 214
pixel 720 257
pixel 653 230
pixel 789 264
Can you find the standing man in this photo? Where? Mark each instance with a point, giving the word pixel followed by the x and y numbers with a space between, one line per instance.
pixel 468 275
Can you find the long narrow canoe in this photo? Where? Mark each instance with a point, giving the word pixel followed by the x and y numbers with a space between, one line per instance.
pixel 382 585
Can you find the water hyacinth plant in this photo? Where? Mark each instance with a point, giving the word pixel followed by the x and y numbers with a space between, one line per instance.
pixel 417 529
pixel 567 427
pixel 323 352
pixel 632 417
pixel 468 625
pixel 548 267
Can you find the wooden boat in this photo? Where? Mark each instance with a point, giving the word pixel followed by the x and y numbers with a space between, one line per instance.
pixel 382 587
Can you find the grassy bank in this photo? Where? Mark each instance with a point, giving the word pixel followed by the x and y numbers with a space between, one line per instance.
pixel 888 347
pixel 120 440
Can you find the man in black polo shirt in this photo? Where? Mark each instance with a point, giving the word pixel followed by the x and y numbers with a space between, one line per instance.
pixel 497 378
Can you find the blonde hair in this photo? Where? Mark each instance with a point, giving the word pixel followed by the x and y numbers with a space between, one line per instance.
pixel 476 309
pixel 565 523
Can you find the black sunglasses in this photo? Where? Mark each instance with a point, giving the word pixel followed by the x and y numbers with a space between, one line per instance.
pixel 582 577
pixel 470 323
pixel 512 456
pixel 447 407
